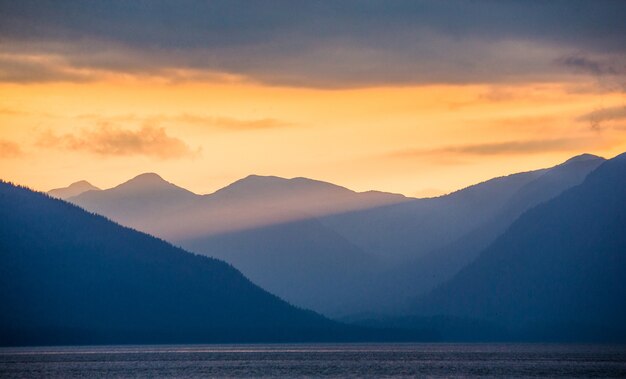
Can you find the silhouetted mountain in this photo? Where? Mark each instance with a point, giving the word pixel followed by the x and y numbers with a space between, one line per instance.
pixel 557 272
pixel 67 276
pixel 139 203
pixel 420 275
pixel 302 261
pixel 265 226
pixel 286 234
pixel 72 190
pixel 260 201
pixel 412 229
pixel 151 204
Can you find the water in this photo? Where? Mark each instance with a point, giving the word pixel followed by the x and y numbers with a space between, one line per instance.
pixel 316 360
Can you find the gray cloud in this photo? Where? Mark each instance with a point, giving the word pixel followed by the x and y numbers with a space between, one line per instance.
pixel 593 66
pixel 9 149
pixel 499 148
pixel 599 117
pixel 605 114
pixel 322 44
pixel 19 69
pixel 108 140
pixel 215 122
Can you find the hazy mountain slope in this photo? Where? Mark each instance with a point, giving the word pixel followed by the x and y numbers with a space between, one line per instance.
pixel 302 261
pixel 269 228
pixel 67 276
pixel 259 201
pixel 151 204
pixel 143 202
pixel 557 271
pixel 264 226
pixel 416 277
pixel 72 190
pixel 404 231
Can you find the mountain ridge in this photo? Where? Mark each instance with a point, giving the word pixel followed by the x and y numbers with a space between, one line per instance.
pixel 562 261
pixel 92 281
pixel 73 189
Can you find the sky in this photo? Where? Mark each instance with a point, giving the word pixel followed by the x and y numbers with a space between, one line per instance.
pixel 413 97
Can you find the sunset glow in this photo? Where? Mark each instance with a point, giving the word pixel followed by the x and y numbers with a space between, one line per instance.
pixel 94 108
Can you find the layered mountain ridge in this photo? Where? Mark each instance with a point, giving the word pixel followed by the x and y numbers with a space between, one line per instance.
pixel 325 247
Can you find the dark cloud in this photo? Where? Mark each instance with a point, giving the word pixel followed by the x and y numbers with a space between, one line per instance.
pixel 9 149
pixel 593 66
pixel 320 43
pixel 214 122
pixel 109 140
pixel 599 117
pixel 499 148
pixel 605 114
pixel 18 69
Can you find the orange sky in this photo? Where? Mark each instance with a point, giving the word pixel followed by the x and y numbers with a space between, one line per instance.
pixel 415 97
pixel 417 140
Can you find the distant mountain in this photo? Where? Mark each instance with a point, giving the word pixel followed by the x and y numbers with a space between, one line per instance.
pixel 260 201
pixel 374 251
pixel 72 190
pixel 302 261
pixel 404 231
pixel 141 202
pixel 264 226
pixel 557 272
pixel 154 205
pixel 68 277
pixel 420 275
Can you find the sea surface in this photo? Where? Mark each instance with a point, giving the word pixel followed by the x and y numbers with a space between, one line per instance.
pixel 316 360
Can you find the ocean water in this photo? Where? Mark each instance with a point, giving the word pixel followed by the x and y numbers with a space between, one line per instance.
pixel 316 360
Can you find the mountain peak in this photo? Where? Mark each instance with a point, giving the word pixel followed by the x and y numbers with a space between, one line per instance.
pixel 148 182
pixel 277 186
pixel 148 176
pixel 73 189
pixel 619 157
pixel 146 179
pixel 583 157
pixel 254 178
pixel 81 184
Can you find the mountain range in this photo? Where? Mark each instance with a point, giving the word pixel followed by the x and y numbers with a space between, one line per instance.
pixel 330 249
pixel 71 277
pixel 557 272
pixel 534 256
pixel 73 189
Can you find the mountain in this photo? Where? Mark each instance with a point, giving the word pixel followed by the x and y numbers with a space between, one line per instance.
pixel 140 203
pixel 149 203
pixel 71 277
pixel 72 190
pixel 301 261
pixel 264 226
pixel 404 231
pixel 325 247
pixel 416 277
pixel 557 272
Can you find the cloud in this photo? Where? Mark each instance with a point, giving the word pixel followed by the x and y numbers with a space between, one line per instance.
pixel 108 140
pixel 604 114
pixel 593 66
pixel 317 44
pixel 498 148
pixel 233 123
pixel 219 122
pixel 35 69
pixel 599 117
pixel 9 149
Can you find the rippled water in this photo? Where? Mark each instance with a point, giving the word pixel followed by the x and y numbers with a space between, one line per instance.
pixel 316 360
